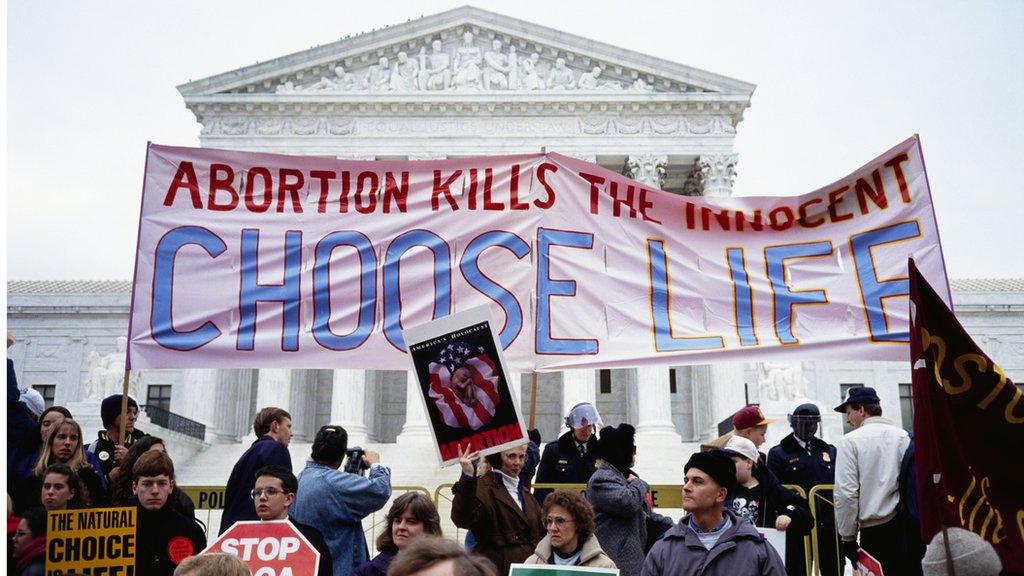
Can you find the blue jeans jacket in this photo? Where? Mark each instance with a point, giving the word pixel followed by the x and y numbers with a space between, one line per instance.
pixel 335 503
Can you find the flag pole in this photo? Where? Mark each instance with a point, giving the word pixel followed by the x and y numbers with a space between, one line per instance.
pixel 533 401
pixel 950 569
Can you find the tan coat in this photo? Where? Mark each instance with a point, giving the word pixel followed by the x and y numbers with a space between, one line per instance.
pixel 505 534
pixel 590 557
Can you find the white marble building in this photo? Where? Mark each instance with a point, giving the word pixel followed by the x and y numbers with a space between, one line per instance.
pixel 465 82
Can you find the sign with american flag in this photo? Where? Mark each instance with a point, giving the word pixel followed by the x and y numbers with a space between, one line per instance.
pixel 465 384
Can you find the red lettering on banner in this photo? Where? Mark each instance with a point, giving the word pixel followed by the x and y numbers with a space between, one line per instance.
pixel 513 193
pixel 290 188
pixel 774 221
pixel 835 198
pixel 542 170
pixel 490 204
pixel 367 184
pixel 804 220
pixel 443 188
pixel 876 194
pixel 218 184
pixel 901 179
pixel 268 190
pixel 185 177
pixel 396 194
pixel 324 176
pixel 594 180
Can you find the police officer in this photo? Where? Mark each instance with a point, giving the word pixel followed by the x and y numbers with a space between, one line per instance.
pixel 572 459
pixel 803 459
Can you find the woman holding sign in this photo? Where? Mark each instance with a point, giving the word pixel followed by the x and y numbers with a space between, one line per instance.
pixel 412 515
pixel 504 517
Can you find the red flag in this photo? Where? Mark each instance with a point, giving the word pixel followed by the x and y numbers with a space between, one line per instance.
pixel 968 431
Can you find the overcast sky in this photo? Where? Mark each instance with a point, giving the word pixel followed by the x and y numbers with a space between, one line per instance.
pixel 89 83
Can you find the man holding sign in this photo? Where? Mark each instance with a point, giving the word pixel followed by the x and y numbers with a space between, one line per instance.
pixel 274 493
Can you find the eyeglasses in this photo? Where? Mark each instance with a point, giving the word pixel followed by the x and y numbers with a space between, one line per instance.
pixel 268 491
pixel 557 521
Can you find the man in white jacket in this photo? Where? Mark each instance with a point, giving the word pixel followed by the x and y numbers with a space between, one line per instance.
pixel 867 482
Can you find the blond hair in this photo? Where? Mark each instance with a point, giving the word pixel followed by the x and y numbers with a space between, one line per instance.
pixel 46 455
pixel 214 564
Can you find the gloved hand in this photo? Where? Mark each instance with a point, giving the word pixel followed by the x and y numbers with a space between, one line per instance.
pixel 849 550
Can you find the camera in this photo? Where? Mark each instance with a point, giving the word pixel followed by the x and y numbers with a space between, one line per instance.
pixel 354 461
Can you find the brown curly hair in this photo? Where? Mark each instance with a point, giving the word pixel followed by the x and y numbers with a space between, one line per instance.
pixel 578 506
pixel 422 509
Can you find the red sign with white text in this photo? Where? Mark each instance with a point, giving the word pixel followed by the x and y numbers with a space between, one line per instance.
pixel 273 548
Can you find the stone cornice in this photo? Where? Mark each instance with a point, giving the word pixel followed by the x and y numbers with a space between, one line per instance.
pixel 459 103
pixel 369 45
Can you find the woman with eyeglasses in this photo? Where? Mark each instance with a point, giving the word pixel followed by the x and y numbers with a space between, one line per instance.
pixel 30 543
pixel 504 517
pixel 570 540
pixel 412 515
pixel 62 489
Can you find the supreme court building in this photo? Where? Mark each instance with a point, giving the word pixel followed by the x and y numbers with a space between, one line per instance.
pixel 466 82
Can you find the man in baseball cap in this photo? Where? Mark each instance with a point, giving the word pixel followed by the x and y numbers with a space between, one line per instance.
pixel 750 423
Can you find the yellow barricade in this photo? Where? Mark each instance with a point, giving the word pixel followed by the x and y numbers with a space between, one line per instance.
pixel 816 499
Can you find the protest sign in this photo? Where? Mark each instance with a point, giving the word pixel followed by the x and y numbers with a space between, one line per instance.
pixel 464 384
pixel 777 539
pixel 553 570
pixel 968 419
pixel 91 541
pixel 262 260
pixel 272 548
pixel 867 565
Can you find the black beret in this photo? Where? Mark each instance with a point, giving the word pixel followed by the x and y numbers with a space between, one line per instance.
pixel 717 465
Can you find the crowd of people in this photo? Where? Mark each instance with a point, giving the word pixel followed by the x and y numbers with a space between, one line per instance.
pixel 730 490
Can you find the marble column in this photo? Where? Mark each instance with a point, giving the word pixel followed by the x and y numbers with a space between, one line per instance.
pixel 416 430
pixel 195 396
pixel 578 386
pixel 230 407
pixel 274 388
pixel 348 404
pixel 302 404
pixel 648 169
pixel 654 407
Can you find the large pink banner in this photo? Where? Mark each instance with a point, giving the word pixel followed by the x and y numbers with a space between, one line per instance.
pixel 262 260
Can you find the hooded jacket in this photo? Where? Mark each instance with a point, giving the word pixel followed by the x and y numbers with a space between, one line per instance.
pixel 740 551
pixel 591 556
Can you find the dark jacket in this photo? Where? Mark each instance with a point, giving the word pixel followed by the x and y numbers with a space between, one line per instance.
pixel 22 434
pixel 562 463
pixel 621 513
pixel 741 551
pixel 781 501
pixel 792 464
pixel 377 566
pixel 316 539
pixel 29 493
pixel 163 539
pixel 505 534
pixel 237 499
pixel 103 447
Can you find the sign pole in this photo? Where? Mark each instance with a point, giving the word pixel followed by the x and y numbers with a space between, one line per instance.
pixel 124 408
pixel 533 401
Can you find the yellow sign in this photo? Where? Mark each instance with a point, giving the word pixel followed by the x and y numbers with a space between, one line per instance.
pixel 205 497
pixel 91 541
pixel 667 495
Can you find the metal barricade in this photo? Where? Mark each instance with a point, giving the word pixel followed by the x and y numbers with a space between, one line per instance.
pixel 809 552
pixel 821 504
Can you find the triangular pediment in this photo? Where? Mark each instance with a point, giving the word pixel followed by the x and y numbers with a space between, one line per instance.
pixel 465 51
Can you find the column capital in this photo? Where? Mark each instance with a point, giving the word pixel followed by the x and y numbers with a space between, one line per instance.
pixel 648 169
pixel 717 172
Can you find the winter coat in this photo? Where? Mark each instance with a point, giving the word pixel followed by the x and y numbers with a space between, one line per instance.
pixel 316 540
pixel 740 551
pixel 164 538
pixel 792 464
pixel 22 434
pixel 335 503
pixel 265 451
pixel 29 491
pixel 867 475
pixel 621 511
pixel 781 501
pixel 562 463
pixel 378 566
pixel 505 534
pixel 103 448
pixel 591 556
